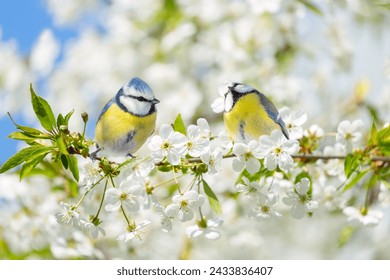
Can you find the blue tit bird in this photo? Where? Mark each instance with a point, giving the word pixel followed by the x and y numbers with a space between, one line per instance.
pixel 127 120
pixel 248 113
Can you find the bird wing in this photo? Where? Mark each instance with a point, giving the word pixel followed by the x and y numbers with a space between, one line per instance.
pixel 106 107
pixel 273 113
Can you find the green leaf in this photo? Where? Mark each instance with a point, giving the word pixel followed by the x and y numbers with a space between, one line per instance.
pixel 384 173
pixel 24 155
pixel 67 117
pixel 384 140
pixel 351 163
pixel 30 164
pixel 311 7
pixel 43 111
pixel 178 125
pixel 72 161
pixel 17 135
pixel 165 168
pixel 373 140
pixel 213 200
pixel 256 176
pixel 29 131
pixel 355 179
pixel 64 161
pixel 61 145
pixel 60 120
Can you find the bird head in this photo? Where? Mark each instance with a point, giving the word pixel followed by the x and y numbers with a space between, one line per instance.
pixel 137 97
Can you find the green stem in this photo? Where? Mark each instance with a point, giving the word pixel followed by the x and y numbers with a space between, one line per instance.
pixel 189 185
pixel 170 180
pixel 112 181
pixel 101 202
pixel 124 214
pixel 84 129
pixel 86 193
pixel 123 210
pixel 366 202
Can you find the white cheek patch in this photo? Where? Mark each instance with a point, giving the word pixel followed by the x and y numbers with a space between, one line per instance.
pixel 135 106
pixel 228 102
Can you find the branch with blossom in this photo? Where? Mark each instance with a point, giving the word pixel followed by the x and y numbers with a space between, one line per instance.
pixel 274 176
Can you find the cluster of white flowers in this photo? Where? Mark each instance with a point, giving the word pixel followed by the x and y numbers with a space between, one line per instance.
pixel 184 57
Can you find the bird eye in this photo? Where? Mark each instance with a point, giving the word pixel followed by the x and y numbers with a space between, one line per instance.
pixel 140 98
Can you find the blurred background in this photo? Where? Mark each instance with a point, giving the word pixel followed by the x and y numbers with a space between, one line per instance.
pixel 330 59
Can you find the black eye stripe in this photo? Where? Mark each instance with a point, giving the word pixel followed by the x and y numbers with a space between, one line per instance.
pixel 140 98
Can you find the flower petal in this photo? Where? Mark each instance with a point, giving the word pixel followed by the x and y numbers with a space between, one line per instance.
pixel 252 165
pixel 238 165
pixel 240 149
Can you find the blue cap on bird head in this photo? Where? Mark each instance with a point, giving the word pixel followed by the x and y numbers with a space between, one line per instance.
pixel 137 87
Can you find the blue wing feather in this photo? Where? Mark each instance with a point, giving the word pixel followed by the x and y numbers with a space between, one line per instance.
pixel 106 107
pixel 273 113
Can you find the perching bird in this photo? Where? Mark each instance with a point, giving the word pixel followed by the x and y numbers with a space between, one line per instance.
pixel 127 120
pixel 249 114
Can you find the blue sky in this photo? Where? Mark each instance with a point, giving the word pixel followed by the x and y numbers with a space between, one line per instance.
pixel 22 21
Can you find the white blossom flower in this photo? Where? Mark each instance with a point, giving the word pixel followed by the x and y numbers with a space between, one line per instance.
pixel 331 198
pixel 370 218
pixel 300 201
pixel 249 189
pixel 218 105
pixel 276 150
pixel 247 156
pixel 90 173
pixel 138 170
pixel 293 122
pixel 166 221
pixel 264 207
pixel 334 167
pixel 226 141
pixel 205 132
pixel 197 144
pixel 68 215
pixel 148 197
pixel 213 159
pixel 126 196
pixel 170 144
pixel 349 134
pixel 314 131
pixel 205 228
pixel 93 229
pixel 134 230
pixel 184 204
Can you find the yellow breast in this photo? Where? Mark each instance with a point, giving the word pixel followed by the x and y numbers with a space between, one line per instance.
pixel 248 119
pixel 122 132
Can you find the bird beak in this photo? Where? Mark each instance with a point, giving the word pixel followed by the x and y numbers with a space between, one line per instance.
pixel 155 101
